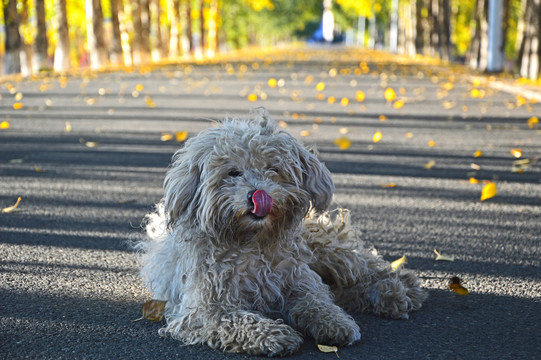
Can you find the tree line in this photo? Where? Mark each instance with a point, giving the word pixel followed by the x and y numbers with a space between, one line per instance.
pixel 63 34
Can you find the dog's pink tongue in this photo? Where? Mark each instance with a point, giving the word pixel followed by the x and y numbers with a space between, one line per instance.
pixel 262 203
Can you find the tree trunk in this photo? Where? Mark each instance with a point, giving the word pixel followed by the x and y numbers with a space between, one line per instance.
pixel 41 42
pixel 13 43
pixel 212 28
pixel 189 25
pixel 530 49
pixel 145 30
pixel 419 41
pixel 444 17
pixel 94 33
pixel 26 53
pixel 479 46
pixel 202 26
pixel 137 44
pixel 116 41
pixel 435 29
pixel 174 36
pixel 407 28
pixel 62 50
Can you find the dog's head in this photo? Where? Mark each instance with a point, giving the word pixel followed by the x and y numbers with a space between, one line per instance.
pixel 245 177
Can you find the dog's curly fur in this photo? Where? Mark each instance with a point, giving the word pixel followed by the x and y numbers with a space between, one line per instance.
pixel 257 284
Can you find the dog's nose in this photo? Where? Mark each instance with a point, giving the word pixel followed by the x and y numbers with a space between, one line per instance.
pixel 249 197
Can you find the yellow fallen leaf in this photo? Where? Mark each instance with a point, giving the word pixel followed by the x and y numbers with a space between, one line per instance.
pixel 447 86
pixel 331 99
pixel 474 93
pixel 91 144
pixel 166 137
pixel 429 165
pixel 18 96
pixel 67 126
pixel 398 104
pixel 17 105
pixel 489 191
pixel 153 310
pixel 12 208
pixel 478 153
pixel 150 102
pixel 181 136
pixel 272 82
pixel 377 137
pixel 343 143
pixel 344 101
pixel 389 94
pixel 431 143
pixel 532 122
pixel 343 130
pixel 474 180
pixel 360 96
pixel 4 125
pixel 305 133
pixel 382 118
pixel 440 257
pixel 389 185
pixel 139 87
pixel 516 153
pixel 328 349
pixel 320 86
pixel 456 286
pixel 395 265
pixel 409 135
pixel 252 97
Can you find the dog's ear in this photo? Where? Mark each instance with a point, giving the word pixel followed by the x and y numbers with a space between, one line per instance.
pixel 316 179
pixel 180 185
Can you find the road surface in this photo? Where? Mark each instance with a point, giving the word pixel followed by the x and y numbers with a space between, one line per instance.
pixel 87 154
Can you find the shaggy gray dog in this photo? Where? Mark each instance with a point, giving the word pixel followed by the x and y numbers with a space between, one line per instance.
pixel 246 255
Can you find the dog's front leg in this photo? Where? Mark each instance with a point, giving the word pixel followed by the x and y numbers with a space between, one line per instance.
pixel 244 331
pixel 314 313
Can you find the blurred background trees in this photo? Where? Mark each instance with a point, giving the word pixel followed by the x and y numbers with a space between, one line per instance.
pixel 62 34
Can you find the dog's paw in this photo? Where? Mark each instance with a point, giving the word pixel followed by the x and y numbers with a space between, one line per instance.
pixel 336 329
pixel 397 297
pixel 277 339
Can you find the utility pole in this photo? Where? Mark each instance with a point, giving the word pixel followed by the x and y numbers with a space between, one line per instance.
pixel 495 36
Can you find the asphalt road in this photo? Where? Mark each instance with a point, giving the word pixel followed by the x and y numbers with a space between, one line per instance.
pixel 86 157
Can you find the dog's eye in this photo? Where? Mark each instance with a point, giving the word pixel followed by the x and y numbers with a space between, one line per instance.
pixel 234 173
